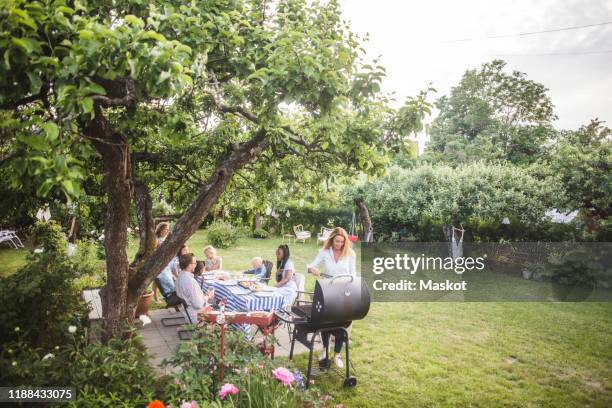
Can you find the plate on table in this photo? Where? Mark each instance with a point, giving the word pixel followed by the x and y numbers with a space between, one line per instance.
pixel 239 291
pixel 227 282
pixel 263 294
pixel 266 288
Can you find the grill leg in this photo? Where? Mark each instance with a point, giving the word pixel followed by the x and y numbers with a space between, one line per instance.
pixel 311 347
pixel 348 361
pixel 292 344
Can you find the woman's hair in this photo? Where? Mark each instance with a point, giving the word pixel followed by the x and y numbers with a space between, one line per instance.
pixel 346 248
pixel 160 227
pixel 281 264
pixel 181 249
pixel 199 269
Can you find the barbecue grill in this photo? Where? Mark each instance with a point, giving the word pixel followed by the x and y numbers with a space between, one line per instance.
pixel 335 303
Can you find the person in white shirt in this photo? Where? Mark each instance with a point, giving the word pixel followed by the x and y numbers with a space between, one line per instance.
pixel 188 289
pixel 284 275
pixel 339 259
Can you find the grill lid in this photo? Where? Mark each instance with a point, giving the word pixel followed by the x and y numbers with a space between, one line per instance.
pixel 343 298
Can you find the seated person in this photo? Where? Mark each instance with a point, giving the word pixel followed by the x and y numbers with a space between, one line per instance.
pixel 284 276
pixel 198 271
pixel 169 274
pixel 166 281
pixel 259 269
pixel 188 289
pixel 212 262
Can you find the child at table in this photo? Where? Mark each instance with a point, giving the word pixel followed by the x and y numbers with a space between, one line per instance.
pixel 212 262
pixel 258 268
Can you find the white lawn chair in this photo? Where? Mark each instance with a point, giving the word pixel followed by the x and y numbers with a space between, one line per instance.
pixel 11 238
pixel 323 235
pixel 300 234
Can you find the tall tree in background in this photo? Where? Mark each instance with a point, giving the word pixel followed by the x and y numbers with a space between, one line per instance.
pixel 122 86
pixel 583 160
pixel 492 115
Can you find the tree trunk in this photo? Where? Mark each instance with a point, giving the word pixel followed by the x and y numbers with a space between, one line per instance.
pixel 113 148
pixel 146 224
pixel 366 221
pixel 193 217
pixel 258 221
pixel 454 236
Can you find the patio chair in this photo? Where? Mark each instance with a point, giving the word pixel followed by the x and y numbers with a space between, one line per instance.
pixel 172 300
pixel 323 235
pixel 10 237
pixel 269 265
pixel 300 234
pixel 181 332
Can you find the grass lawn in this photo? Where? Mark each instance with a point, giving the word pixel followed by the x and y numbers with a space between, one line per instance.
pixel 527 354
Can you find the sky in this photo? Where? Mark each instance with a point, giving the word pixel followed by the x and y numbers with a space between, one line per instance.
pixel 417 42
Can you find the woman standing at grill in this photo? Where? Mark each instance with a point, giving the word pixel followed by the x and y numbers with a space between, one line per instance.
pixel 284 275
pixel 339 259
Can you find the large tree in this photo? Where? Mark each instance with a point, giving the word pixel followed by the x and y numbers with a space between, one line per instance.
pixel 115 88
pixel 583 160
pixel 492 115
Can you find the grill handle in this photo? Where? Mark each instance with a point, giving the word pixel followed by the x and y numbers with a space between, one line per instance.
pixel 342 276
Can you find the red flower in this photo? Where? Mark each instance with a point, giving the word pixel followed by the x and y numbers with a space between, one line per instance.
pixel 156 404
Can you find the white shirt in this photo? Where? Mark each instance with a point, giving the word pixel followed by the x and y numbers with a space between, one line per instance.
pixel 344 266
pixel 188 289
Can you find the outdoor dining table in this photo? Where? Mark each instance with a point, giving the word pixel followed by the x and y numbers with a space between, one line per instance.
pixel 238 299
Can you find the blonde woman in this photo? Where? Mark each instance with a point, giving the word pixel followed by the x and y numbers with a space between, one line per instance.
pixel 339 259
pixel 337 255
pixel 212 262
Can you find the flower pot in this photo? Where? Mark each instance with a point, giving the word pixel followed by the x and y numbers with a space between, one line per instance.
pixel 143 305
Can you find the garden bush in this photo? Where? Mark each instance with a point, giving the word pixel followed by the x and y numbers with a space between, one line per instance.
pixel 223 234
pixel 42 298
pixel 260 233
pixel 113 374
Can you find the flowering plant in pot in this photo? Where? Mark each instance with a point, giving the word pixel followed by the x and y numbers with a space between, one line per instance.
pixel 144 303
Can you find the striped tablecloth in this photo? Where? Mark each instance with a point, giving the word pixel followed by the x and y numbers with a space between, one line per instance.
pixel 242 303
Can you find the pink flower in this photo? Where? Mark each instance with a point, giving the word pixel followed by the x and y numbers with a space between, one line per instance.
pixel 283 375
pixel 191 404
pixel 246 370
pixel 228 389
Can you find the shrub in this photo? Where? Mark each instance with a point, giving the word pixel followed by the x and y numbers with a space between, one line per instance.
pixel 113 374
pixel 260 233
pixel 198 375
pixel 42 298
pixel 117 373
pixel 222 234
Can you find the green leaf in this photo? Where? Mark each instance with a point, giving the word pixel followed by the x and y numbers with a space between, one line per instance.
pixel 51 130
pixel 163 76
pixel 133 20
pixel 86 34
pixel 152 35
pixel 7 55
pixel 64 10
pixel 37 142
pixel 47 61
pixel 95 88
pixel 26 44
pixel 86 105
